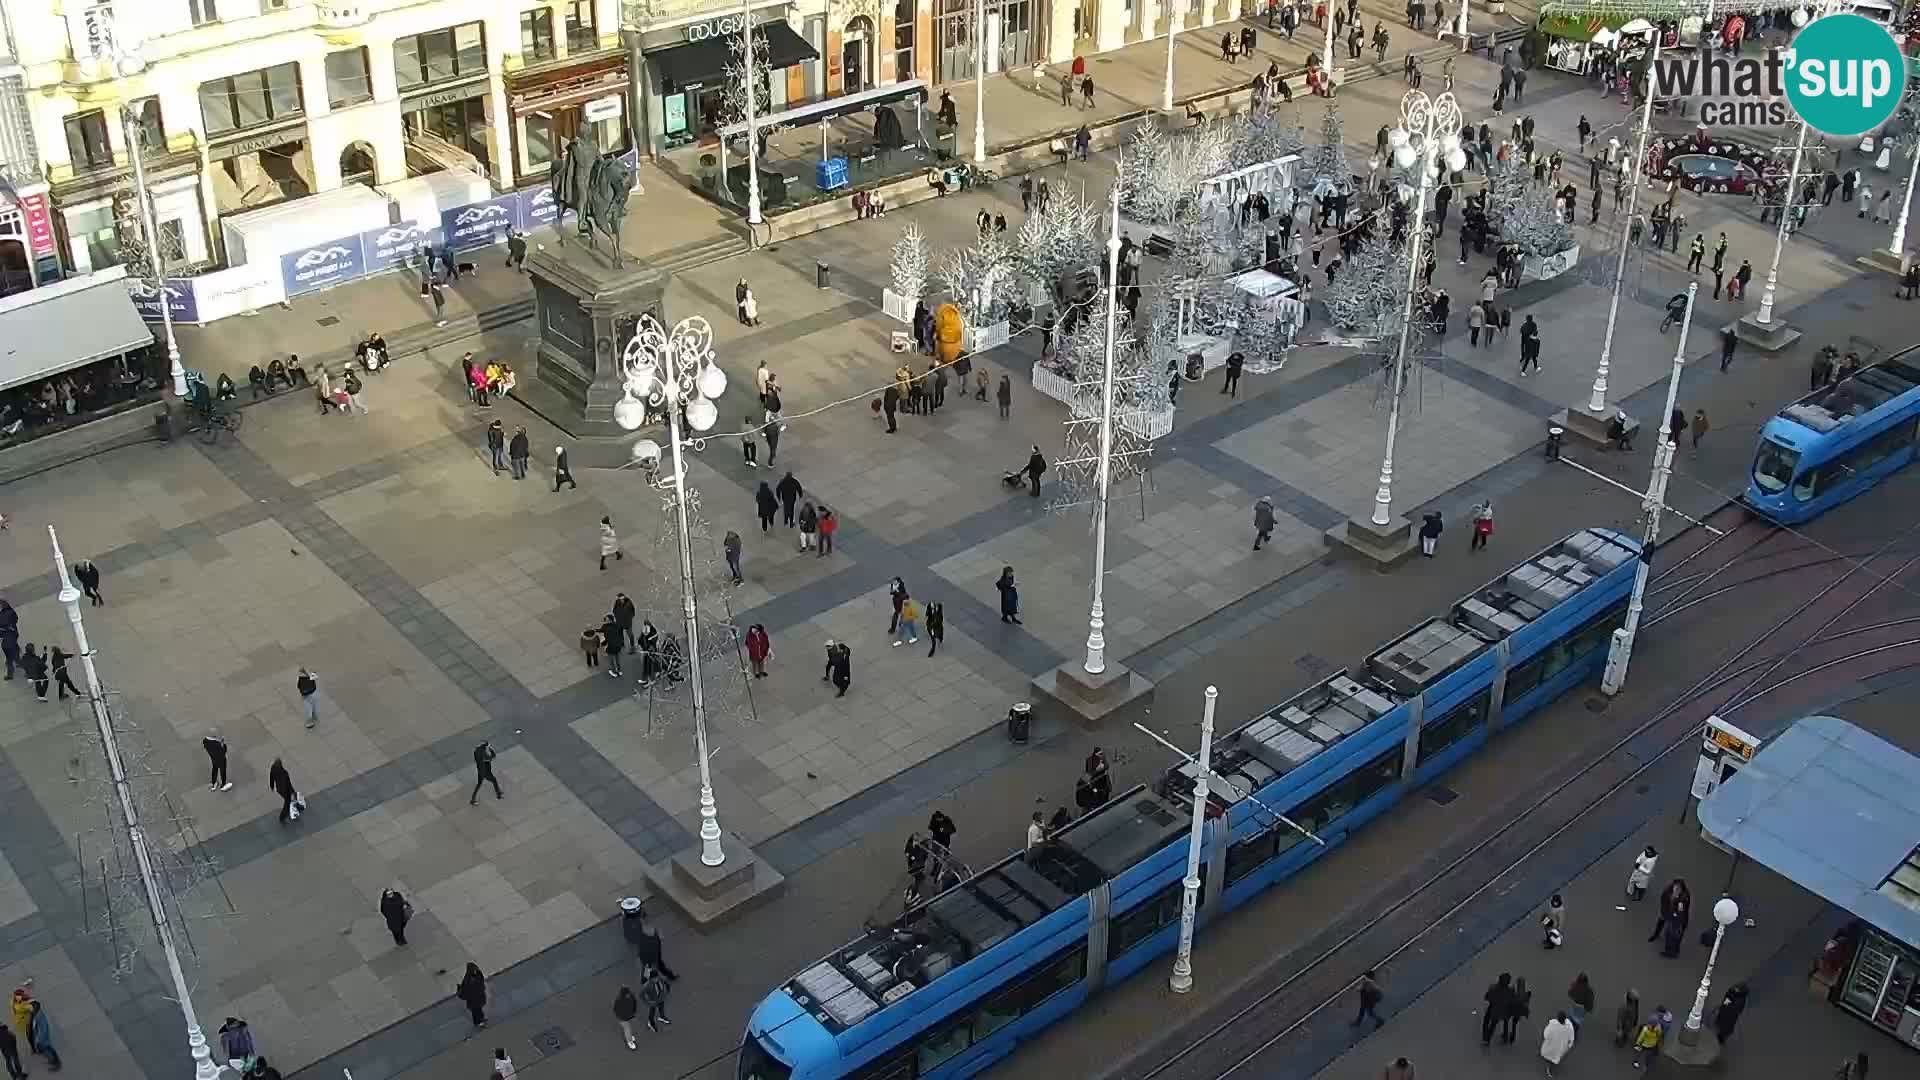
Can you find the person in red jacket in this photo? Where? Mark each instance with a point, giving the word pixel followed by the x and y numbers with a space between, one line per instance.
pixel 759 647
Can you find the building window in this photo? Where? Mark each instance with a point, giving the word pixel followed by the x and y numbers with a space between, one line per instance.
pixel 87 145
pixel 582 34
pixel 251 100
pixel 146 113
pixel 202 12
pixel 536 35
pixel 173 245
pixel 349 79
pixel 93 232
pixel 539 140
pixel 440 56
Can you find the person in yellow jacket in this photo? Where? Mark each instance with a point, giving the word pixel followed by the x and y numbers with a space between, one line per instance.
pixel 22 1010
pixel 909 630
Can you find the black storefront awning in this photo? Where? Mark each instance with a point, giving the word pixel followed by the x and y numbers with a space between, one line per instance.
pixel 704 63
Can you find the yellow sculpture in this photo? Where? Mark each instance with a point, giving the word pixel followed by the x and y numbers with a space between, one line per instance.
pixel 949 329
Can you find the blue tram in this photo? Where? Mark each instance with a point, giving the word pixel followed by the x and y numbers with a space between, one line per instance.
pixel 956 983
pixel 1837 442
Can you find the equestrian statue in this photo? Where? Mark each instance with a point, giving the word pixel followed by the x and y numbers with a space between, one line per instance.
pixel 595 188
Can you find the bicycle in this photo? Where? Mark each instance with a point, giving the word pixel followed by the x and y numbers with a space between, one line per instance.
pixel 214 420
pixel 1666 322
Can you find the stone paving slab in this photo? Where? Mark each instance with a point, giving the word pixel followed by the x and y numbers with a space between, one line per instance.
pixel 83 1033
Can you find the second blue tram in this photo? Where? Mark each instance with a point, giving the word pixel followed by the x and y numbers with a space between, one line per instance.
pixel 1837 442
pixel 957 982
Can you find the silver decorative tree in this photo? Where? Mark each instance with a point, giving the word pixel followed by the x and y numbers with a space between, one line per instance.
pixel 1368 297
pixel 910 264
pixel 1328 172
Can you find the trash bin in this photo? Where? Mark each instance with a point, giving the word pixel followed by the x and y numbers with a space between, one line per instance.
pixel 1019 723
pixel 822 275
pixel 1554 437
pixel 163 423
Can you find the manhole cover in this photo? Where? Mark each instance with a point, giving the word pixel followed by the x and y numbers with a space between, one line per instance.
pixel 1311 664
pixel 551 1041
pixel 328 320
pixel 1598 704
pixel 1441 795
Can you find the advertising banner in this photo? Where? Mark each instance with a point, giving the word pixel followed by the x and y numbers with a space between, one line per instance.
pixel 176 293
pixel 479 224
pixel 39 220
pixel 537 207
pixel 237 289
pixel 395 245
pixel 322 265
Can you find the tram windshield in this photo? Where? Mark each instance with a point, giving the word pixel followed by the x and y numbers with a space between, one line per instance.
pixel 757 1064
pixel 1773 468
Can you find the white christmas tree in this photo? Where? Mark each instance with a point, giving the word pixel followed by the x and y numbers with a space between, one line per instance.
pixel 1057 243
pixel 1141 409
pixel 1160 174
pixel 980 280
pixel 1328 172
pixel 1368 297
pixel 910 264
pixel 1536 225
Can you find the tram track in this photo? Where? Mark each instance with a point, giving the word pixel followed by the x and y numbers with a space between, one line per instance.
pixel 1254 1020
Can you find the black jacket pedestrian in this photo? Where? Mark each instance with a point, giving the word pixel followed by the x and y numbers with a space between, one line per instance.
pixel 517 449
pixel 646 944
pixel 496 436
pixel 396 911
pixel 1036 465
pixel 789 492
pixel 623 613
pixel 766 504
pixel 1009 595
pixel 10 619
pixel 473 991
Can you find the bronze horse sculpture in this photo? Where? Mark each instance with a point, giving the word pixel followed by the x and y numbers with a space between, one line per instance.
pixel 595 188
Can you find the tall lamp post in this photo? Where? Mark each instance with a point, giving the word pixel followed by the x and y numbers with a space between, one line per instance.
pixel 749 77
pixel 1166 92
pixel 1181 981
pixel 980 82
pixel 1724 914
pixel 1597 404
pixel 1620 650
pixel 128 65
pixel 1765 316
pixel 1898 248
pixel 1103 469
pixel 1429 133
pixel 204 1067
pixel 674 371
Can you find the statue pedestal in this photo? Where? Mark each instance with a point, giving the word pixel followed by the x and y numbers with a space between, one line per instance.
pixel 585 312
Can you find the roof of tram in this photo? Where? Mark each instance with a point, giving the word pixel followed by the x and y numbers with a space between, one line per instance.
pixel 1836 810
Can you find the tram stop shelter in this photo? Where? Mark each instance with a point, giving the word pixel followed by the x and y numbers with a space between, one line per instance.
pixel 1836 810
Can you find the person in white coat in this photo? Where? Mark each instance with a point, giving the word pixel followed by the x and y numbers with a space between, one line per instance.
pixel 609 542
pixel 1643 865
pixel 1556 1040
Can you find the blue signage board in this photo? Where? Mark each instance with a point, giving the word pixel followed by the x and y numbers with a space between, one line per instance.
pixel 537 207
pixel 395 245
pixel 322 265
pixel 479 224
pixel 176 293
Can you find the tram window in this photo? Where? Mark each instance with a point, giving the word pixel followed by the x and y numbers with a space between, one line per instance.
pixel 1028 994
pixel 1523 678
pixel 1455 725
pixel 1597 630
pixel 1250 854
pixel 943 1046
pixel 995 1013
pixel 897 1065
pixel 1773 467
pixel 1807 484
pixel 1350 791
pixel 1161 909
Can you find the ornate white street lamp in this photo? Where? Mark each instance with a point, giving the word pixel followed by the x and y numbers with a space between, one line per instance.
pixel 1765 316
pixel 980 82
pixel 1724 914
pixel 129 64
pixel 674 371
pixel 1429 133
pixel 1597 404
pixel 749 77
pixel 1173 30
pixel 1181 981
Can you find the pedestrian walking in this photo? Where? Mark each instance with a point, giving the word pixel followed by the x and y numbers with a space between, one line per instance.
pixel 829 525
pixel 280 782
pixel 561 473
pixel 1431 526
pixel 1263 521
pixel 1676 908
pixel 936 627
pixel 732 547
pixel 1653 1032
pixel 1553 923
pixel 1728 341
pixel 1499 1001
pixel 590 645
pixel 1369 995
pixel 1036 465
pixel 1004 394
pixel 609 543
pixel 497 446
pixel 1677 425
pixel 88 574
pixel 439 297
pixel 1727 1017
pixel 216 748
pixel 397 912
pixel 1555 1040
pixel 10 1052
pixel 625 1008
pixel 809 525
pixel 772 429
pixel 789 492
pixel 765 505
pixel 644 938
pixel 1529 345
pixel 517 251
pixel 1741 277
pixel 472 991
pixel 623 614
pixel 40 1034
pixel 646 645
pixel 759 648
pixel 896 597
pixel 1400 1068
pixel 308 683
pixel 909 624
pixel 613 639
pixel 1853 1069
pixel 1520 1009
pixel 57 658
pixel 502 1064
pixel 1700 426
pixel 483 756
pixel 36 666
pixel 1626 1019
pixel 1580 993
pixel 1009 596
pixel 749 449
pixel 839 667
pixel 654 990
pixel 1235 362
pixel 1643 865
pixel 1482 524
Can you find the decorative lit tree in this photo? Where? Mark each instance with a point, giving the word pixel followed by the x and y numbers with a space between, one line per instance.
pixel 980 280
pixel 733 95
pixel 1368 297
pixel 1328 172
pixel 1058 243
pixel 1535 224
pixel 1142 409
pixel 909 268
pixel 1161 173
pixel 1261 134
